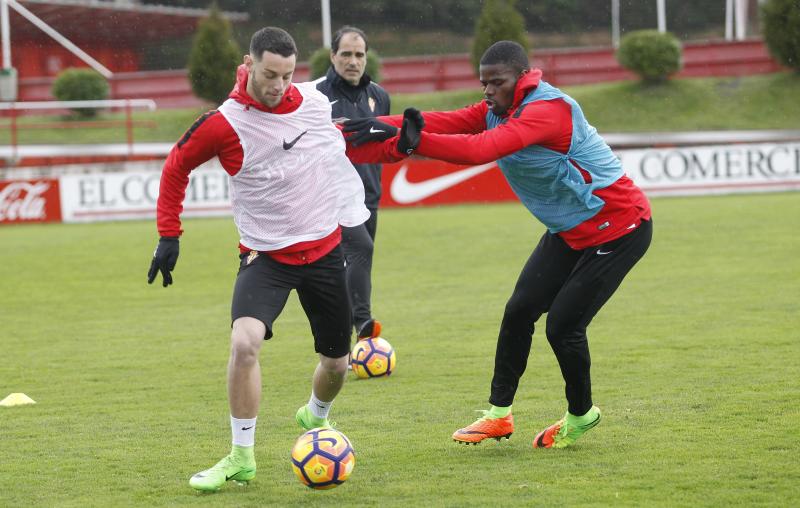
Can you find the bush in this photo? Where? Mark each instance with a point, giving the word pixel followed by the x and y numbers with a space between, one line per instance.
pixel 81 85
pixel 781 20
pixel 213 59
pixel 499 21
pixel 651 54
pixel 321 59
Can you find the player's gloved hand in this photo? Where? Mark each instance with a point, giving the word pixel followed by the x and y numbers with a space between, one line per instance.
pixel 368 129
pixel 164 259
pixel 413 122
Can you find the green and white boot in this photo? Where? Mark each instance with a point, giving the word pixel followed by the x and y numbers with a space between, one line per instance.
pixel 308 420
pixel 239 466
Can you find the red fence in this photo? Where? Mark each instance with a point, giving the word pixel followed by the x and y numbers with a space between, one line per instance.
pixel 452 72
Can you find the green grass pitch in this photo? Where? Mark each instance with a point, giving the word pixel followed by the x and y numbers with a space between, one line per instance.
pixel 696 366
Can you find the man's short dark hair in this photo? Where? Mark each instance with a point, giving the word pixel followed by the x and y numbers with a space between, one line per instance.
pixel 273 39
pixel 337 37
pixel 507 53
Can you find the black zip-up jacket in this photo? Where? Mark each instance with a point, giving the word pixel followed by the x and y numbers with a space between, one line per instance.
pixel 348 101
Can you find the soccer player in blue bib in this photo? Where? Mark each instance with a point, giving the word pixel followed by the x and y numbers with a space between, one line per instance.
pixel 598 226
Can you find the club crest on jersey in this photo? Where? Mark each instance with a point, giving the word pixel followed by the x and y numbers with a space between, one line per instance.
pixel 252 256
pixel 371 103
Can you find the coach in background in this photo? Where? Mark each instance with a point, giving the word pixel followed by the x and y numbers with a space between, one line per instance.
pixel 352 94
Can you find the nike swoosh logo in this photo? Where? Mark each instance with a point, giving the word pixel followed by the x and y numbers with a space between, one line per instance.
pixel 248 428
pixel 405 192
pixel 631 226
pixel 592 423
pixel 287 146
pixel 603 253
pixel 334 102
pixel 373 130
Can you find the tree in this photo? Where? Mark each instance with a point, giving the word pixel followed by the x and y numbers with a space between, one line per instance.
pixel 214 58
pixel 499 21
pixel 782 31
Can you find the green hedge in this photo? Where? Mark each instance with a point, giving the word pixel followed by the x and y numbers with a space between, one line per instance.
pixel 81 85
pixel 781 20
pixel 651 54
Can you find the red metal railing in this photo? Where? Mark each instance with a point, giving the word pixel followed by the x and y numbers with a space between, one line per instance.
pixel 12 111
pixel 452 72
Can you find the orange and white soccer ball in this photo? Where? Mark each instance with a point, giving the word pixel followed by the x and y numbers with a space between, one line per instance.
pixel 323 458
pixel 373 357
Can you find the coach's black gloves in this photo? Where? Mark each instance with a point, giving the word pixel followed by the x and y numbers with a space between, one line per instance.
pixel 413 122
pixel 164 259
pixel 368 129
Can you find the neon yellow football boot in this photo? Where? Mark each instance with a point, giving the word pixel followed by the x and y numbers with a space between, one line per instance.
pixel 239 466
pixel 567 430
pixel 308 420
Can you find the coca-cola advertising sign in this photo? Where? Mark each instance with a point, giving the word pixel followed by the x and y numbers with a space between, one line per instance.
pixel 29 201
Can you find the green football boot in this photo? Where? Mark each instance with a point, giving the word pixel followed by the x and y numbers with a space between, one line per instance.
pixel 567 430
pixel 239 466
pixel 308 420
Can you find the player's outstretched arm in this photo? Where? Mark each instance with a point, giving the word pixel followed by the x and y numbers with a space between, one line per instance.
pixel 540 123
pixel 468 120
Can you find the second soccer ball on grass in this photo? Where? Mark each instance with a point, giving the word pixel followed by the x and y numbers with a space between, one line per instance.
pixel 373 357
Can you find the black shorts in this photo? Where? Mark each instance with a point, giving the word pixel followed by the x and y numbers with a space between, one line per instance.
pixel 263 286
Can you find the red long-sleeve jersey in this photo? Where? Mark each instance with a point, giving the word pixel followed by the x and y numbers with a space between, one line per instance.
pixel 461 137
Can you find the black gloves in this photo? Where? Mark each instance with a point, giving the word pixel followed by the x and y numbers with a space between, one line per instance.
pixel 413 122
pixel 371 129
pixel 164 259
pixel 368 129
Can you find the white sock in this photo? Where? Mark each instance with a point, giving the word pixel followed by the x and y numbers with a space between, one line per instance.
pixel 244 431
pixel 318 408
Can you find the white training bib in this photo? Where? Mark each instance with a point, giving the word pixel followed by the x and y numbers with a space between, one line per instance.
pixel 296 183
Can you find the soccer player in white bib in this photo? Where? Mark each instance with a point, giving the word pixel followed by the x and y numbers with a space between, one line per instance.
pixel 293 188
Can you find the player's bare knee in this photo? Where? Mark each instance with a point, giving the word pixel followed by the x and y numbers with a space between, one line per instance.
pixel 334 366
pixel 247 335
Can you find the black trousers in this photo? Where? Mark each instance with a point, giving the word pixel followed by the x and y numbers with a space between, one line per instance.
pixel 571 286
pixel 358 244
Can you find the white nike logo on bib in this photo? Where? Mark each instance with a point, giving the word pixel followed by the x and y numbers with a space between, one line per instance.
pixel 373 130
pixel 404 192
